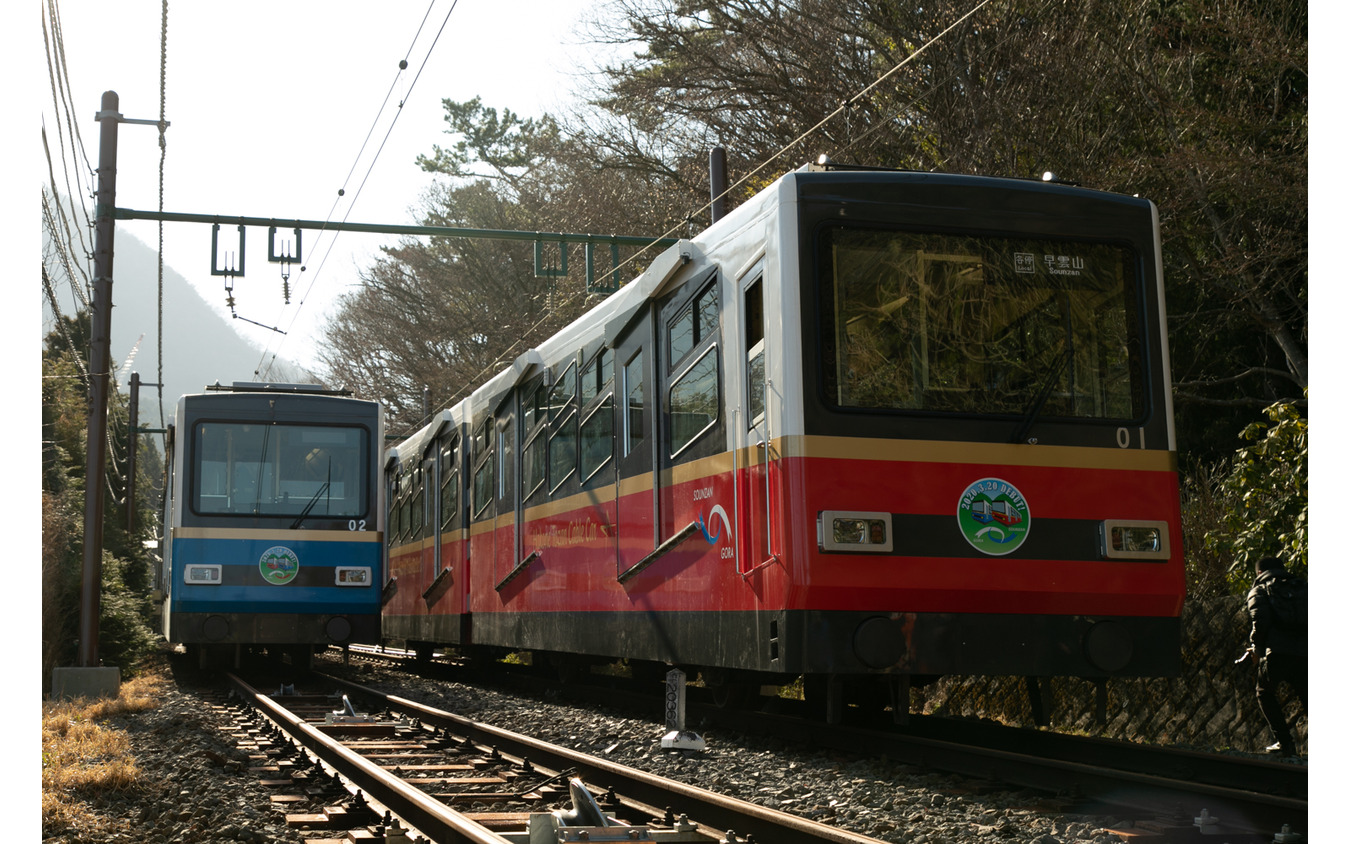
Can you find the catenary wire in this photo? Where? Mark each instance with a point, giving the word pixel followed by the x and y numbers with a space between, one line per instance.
pixel 261 373
pixel 506 354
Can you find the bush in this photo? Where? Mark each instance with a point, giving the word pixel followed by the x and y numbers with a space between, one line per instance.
pixel 1264 497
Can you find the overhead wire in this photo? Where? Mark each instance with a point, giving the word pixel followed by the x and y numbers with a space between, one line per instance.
pixel 163 152
pixel 61 324
pixel 260 373
pixel 62 237
pixel 58 74
pixel 62 252
pixel 58 231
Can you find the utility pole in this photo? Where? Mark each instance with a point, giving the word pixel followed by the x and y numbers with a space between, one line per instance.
pixel 90 679
pixel 96 446
pixel 134 411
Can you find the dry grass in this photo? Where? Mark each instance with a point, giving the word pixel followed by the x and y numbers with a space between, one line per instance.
pixel 84 759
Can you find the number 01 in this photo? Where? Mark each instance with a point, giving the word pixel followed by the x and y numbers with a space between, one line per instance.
pixel 1123 437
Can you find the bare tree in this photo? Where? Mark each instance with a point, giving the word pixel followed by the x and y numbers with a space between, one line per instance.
pixel 1200 105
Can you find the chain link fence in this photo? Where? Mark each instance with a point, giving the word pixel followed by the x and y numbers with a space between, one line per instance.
pixel 1211 705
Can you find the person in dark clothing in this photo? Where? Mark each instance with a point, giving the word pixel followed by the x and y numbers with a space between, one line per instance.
pixel 1279 641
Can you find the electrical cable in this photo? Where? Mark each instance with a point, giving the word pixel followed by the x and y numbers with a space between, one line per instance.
pixel 938 85
pixel 61 101
pixel 260 373
pixel 506 355
pixel 163 151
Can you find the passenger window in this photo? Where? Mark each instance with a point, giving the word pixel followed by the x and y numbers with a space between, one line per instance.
pixel 596 375
pixel 418 506
pixel 562 452
pixel 634 416
pixel 449 484
pixel 682 335
pixel 693 402
pixel 533 465
pixel 695 324
pixel 393 493
pixel 563 391
pixel 405 486
pixel 506 459
pixel 483 474
pixel 533 408
pixel 597 438
pixel 754 345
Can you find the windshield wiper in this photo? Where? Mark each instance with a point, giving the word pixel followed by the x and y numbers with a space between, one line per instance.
pixel 314 499
pixel 1038 404
pixel 310 506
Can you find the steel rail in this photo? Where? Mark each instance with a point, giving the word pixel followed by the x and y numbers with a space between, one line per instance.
pixel 705 807
pixel 423 812
pixel 1139 778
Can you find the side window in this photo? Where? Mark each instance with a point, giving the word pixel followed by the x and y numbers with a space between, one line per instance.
pixel 533 468
pixel 534 409
pixel 418 506
pixel 597 403
pixel 694 325
pixel 597 438
pixel 562 451
pixel 483 474
pixel 393 496
pixel 562 441
pixel 506 461
pixel 695 388
pixel 450 484
pixel 595 377
pixel 693 402
pixel 754 354
pixel 405 488
pixel 564 390
pixel 635 405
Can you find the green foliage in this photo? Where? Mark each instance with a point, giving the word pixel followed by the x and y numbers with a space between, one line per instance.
pixel 1266 490
pixel 1205 503
pixel 125 611
pixel 124 637
pixel 507 144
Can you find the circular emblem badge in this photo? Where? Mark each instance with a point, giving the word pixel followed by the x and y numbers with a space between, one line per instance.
pixel 279 565
pixel 993 516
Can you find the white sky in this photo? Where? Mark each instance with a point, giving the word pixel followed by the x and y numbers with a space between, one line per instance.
pixel 270 104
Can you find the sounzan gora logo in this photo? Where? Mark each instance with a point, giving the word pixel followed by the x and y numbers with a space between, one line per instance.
pixel 993 516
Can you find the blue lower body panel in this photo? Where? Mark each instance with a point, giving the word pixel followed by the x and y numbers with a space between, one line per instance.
pixel 262 591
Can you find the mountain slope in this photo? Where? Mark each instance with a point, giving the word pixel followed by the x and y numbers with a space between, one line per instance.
pixel 200 347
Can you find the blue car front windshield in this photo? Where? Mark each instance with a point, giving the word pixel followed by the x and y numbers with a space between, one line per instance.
pixel 266 469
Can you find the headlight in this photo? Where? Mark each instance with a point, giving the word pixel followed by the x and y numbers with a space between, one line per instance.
pixel 849 530
pixel 351 576
pixel 1132 540
pixel 200 575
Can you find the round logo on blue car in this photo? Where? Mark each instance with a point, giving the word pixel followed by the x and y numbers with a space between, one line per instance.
pixel 993 516
pixel 279 565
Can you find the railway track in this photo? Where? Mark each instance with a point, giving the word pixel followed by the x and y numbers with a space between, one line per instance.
pixel 412 769
pixel 1243 798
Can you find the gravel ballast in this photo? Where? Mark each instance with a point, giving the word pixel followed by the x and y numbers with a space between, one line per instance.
pixel 890 802
pixel 196 785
